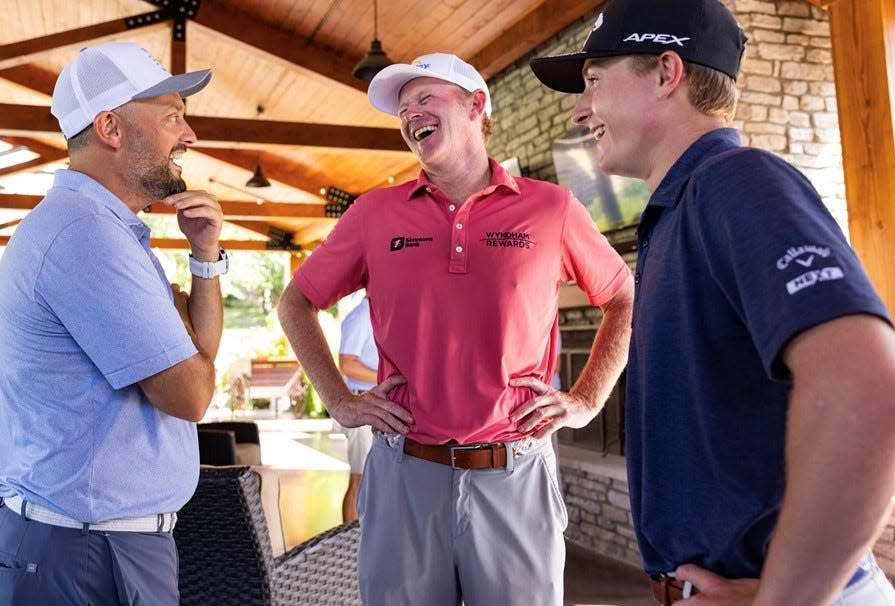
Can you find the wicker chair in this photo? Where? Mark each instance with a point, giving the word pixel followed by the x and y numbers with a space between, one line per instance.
pixel 225 555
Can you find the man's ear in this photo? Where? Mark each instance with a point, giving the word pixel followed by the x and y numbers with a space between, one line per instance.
pixel 107 126
pixel 478 102
pixel 670 72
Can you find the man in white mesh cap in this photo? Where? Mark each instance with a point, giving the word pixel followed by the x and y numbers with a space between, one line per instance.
pixel 106 366
pixel 459 498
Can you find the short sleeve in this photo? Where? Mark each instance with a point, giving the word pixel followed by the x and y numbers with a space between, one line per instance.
pixel 116 304
pixel 588 257
pixel 337 267
pixel 775 251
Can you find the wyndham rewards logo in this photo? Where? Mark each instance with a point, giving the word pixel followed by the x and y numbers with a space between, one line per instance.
pixel 508 239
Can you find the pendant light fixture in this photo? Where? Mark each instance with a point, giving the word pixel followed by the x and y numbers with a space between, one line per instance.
pixel 258 179
pixel 375 59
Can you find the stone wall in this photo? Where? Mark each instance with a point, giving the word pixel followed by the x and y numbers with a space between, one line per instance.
pixel 787 106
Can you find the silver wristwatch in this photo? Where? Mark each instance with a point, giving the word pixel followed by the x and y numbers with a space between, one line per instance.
pixel 210 269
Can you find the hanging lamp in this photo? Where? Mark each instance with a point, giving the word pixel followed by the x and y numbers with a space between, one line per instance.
pixel 258 179
pixel 375 59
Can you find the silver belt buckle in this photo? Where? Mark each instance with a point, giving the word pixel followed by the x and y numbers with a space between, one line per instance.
pixel 461 447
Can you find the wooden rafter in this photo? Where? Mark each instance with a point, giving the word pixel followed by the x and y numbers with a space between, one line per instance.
pixel 279 45
pixel 228 132
pixel 244 210
pixel 29 51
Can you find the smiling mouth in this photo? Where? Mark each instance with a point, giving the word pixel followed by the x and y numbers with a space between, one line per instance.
pixel 421 133
pixel 599 132
pixel 176 156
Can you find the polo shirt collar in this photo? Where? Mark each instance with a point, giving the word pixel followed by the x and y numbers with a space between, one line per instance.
pixel 500 179
pixel 668 194
pixel 92 189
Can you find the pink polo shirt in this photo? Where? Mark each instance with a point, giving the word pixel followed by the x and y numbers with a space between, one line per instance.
pixel 464 298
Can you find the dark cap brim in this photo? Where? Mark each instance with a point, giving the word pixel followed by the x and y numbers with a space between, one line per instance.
pixel 561 72
pixel 184 84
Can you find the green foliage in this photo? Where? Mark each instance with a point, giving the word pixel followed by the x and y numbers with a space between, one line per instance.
pixel 251 288
pixel 314 403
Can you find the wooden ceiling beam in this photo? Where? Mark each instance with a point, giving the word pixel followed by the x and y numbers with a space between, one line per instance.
pixel 33 163
pixel 182 244
pixel 276 44
pixel 230 245
pixel 18 201
pixel 241 210
pixel 27 120
pixel 228 132
pixel 39 147
pixel 29 51
pixel 258 227
pixel 248 211
pixel 46 154
pixel 32 77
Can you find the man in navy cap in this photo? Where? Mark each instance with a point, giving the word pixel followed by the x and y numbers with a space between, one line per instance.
pixel 106 366
pixel 761 373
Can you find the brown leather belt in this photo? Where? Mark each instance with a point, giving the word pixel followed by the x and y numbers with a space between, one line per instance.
pixel 476 456
pixel 667 590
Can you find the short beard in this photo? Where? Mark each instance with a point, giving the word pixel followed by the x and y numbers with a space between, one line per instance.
pixel 159 183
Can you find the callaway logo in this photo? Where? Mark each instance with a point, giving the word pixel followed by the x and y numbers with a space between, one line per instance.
pixel 421 65
pixel 803 255
pixel 658 38
pixel 402 242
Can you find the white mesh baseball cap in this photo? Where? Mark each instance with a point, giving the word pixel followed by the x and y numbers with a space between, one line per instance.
pixel 106 76
pixel 386 85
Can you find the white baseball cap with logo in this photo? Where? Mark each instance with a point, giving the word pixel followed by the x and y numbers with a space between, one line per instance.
pixel 386 85
pixel 107 76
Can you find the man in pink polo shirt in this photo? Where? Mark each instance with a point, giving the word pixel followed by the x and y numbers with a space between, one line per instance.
pixel 459 499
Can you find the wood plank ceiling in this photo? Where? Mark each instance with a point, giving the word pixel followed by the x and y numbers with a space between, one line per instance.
pixel 282 95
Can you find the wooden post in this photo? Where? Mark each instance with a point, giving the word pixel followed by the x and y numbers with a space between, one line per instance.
pixel 863 44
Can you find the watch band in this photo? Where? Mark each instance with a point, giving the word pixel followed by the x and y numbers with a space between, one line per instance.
pixel 210 269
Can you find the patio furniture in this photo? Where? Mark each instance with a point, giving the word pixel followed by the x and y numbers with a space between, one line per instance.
pixel 225 553
pixel 273 378
pixel 246 443
pixel 216 447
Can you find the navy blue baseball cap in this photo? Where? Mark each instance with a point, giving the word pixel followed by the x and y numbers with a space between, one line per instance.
pixel 700 31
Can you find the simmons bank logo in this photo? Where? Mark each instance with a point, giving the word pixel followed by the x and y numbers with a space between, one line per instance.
pixel 401 242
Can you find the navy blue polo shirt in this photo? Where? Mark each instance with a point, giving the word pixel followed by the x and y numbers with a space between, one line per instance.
pixel 737 254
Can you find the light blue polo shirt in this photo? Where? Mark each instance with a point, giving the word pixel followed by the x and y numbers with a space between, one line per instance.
pixel 85 312
pixel 357 340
